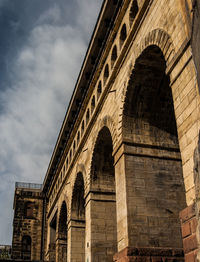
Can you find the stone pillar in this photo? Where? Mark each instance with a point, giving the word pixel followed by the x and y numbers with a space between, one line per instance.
pixel 51 247
pixel 101 237
pixel 51 252
pixel 150 194
pixel 61 248
pixel 76 240
pixel 121 203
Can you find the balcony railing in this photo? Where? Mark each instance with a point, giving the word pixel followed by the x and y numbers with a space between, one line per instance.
pixel 28 185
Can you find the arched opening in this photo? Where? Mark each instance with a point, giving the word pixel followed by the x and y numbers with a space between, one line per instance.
pixel 78 137
pixel 113 56
pixel 92 104
pixel 77 223
pixel 61 241
pixel 123 35
pixel 106 73
pixel 82 127
pixel 133 11
pixel 70 156
pixel 74 147
pixel 156 193
pixel 104 203
pixel 26 247
pixel 87 116
pixel 99 90
pixel 78 202
pixel 67 163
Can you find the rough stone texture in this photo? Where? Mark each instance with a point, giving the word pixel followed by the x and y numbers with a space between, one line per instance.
pixel 123 168
pixel 28 218
pixel 5 252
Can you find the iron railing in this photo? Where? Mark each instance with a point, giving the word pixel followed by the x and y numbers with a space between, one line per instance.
pixel 28 185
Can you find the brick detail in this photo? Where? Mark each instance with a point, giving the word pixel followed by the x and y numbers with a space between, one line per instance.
pixel 188 226
pixel 131 254
pixel 191 257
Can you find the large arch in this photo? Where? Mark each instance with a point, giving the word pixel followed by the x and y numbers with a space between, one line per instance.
pixel 101 202
pixel 161 39
pixel 148 107
pixel 77 221
pixel 61 239
pixel 153 179
pixel 102 167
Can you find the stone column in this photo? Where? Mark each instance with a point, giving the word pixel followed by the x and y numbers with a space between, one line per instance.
pixel 61 248
pixel 100 226
pixel 76 240
pixel 51 247
pixel 150 194
pixel 51 252
pixel 121 202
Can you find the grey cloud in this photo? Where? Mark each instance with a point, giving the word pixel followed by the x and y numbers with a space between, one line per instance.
pixel 42 76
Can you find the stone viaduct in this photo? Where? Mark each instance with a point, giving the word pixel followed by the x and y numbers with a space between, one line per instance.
pixel 122 181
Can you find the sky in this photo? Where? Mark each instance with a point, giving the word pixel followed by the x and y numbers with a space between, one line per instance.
pixel 42 47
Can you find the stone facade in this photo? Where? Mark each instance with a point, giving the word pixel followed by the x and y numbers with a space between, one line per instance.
pixel 28 222
pixel 5 252
pixel 124 173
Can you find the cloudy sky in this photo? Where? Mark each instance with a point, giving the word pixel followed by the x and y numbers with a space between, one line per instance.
pixel 42 46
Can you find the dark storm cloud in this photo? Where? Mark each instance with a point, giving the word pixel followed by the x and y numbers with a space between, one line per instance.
pixel 18 18
pixel 41 51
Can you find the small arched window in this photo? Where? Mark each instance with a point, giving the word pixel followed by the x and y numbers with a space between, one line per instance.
pixel 113 55
pixel 26 248
pixel 29 210
pixel 123 35
pixel 78 137
pixel 106 73
pixel 92 104
pixel 133 11
pixel 87 116
pixel 74 147
pixel 70 156
pixel 99 90
pixel 82 127
pixel 67 163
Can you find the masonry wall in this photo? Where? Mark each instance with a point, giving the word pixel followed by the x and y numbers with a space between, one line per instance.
pixel 27 223
pixel 153 183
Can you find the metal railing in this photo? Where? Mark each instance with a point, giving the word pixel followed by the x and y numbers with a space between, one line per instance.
pixel 28 185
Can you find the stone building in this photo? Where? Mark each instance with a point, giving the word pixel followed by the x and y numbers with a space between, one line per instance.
pixel 5 252
pixel 28 222
pixel 123 180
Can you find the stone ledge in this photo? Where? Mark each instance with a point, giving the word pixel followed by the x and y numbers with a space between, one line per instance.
pixel 149 254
